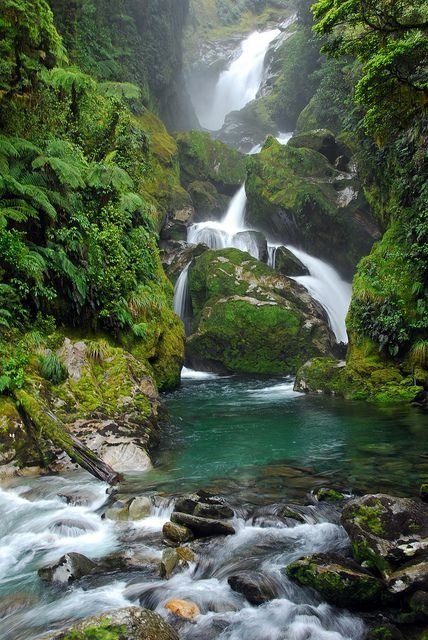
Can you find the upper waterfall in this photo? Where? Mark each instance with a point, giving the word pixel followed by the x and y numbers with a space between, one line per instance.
pixel 240 83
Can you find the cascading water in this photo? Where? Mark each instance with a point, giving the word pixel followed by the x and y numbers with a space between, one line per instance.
pixel 325 285
pixel 181 302
pixel 240 83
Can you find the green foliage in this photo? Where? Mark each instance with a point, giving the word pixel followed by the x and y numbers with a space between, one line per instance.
pixel 389 38
pixel 52 368
pixel 103 631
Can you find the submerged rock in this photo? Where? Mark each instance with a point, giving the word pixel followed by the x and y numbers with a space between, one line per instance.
pixel 339 580
pixel 131 623
pixel 69 567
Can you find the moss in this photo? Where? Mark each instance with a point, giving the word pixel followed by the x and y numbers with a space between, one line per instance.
pixel 370 517
pixel 205 160
pixel 363 554
pixel 338 583
pixel 329 495
pixel 103 631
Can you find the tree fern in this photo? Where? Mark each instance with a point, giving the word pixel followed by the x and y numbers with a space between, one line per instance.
pixel 124 90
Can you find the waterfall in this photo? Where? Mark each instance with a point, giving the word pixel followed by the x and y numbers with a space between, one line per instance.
pixel 181 302
pixel 230 231
pixel 240 83
pixel 271 249
pixel 325 285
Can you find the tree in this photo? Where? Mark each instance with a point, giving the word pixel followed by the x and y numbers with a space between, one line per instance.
pixel 389 38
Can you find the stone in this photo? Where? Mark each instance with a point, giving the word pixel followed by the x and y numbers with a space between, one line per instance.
pixel 69 567
pixel 386 531
pixel 253 586
pixel 409 578
pixel 340 581
pixel 186 554
pixel 130 623
pixel 140 508
pixel 177 532
pixel 169 562
pixel 213 511
pixel 286 263
pixel 203 527
pixel 423 492
pixel 183 609
pixel 419 604
pixel 119 511
pixel 385 631
pixel 328 495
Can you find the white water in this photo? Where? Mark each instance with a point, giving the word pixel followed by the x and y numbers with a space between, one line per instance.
pixel 240 83
pixel 181 303
pixel 325 285
pixel 228 232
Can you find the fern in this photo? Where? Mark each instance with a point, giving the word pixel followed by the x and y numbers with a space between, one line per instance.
pixel 140 329
pixel 124 90
pixel 52 369
pixel 419 353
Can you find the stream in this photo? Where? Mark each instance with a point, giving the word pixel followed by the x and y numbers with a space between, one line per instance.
pixel 256 442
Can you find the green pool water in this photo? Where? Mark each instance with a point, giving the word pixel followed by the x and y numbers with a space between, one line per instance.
pixel 239 431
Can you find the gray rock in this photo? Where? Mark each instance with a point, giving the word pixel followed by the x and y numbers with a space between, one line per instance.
pixel 286 263
pixel 169 562
pixel 409 578
pixel 69 567
pixel 133 623
pixel 203 527
pixel 255 587
pixel 386 531
pixel 140 508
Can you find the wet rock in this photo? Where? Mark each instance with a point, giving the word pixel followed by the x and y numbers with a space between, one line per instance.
pixel 385 631
pixel 203 527
pixel 386 531
pixel 119 511
pixel 253 586
pixel 69 567
pixel 419 604
pixel 339 580
pixel 139 508
pixel 183 609
pixel 288 512
pixel 254 239
pixel 328 495
pixel 215 511
pixel 177 532
pixel 423 492
pixel 204 505
pixel 169 562
pixel 131 623
pixel 409 578
pixel 16 602
pixel 286 263
pixel 186 554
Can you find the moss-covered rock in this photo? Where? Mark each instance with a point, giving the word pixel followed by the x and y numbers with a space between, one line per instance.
pixel 339 581
pixel 132 623
pixel 295 193
pixel 286 263
pixel 386 531
pixel 205 160
pixel 248 318
pixel 325 143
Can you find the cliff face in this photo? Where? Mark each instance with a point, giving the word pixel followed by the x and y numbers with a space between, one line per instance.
pixel 131 41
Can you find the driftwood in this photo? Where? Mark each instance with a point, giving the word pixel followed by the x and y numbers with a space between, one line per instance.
pixel 47 425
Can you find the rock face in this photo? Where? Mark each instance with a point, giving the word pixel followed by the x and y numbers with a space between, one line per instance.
pixel 211 172
pixel 387 532
pixel 68 568
pixel 248 318
pixel 131 623
pixel 340 581
pixel 296 193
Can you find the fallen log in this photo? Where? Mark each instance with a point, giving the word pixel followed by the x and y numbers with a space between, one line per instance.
pixel 47 425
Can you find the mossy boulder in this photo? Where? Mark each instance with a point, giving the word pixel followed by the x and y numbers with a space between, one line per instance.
pixel 339 580
pixel 286 263
pixel 248 318
pixel 131 623
pixel 205 160
pixel 297 195
pixel 17 444
pixel 386 531
pixel 325 143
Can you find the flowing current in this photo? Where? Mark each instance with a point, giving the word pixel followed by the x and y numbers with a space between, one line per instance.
pixel 240 83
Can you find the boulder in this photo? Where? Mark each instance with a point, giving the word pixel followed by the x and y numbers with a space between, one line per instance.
pixel 203 527
pixel 183 609
pixel 204 505
pixel 386 531
pixel 130 623
pixel 339 580
pixel 69 567
pixel 325 143
pixel 319 210
pixel 255 587
pixel 177 533
pixel 409 578
pixel 325 494
pixel 249 319
pixel 286 263
pixel 419 604
pixel 139 508
pixel 169 562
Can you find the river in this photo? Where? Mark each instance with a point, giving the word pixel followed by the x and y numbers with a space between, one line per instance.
pixel 252 440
